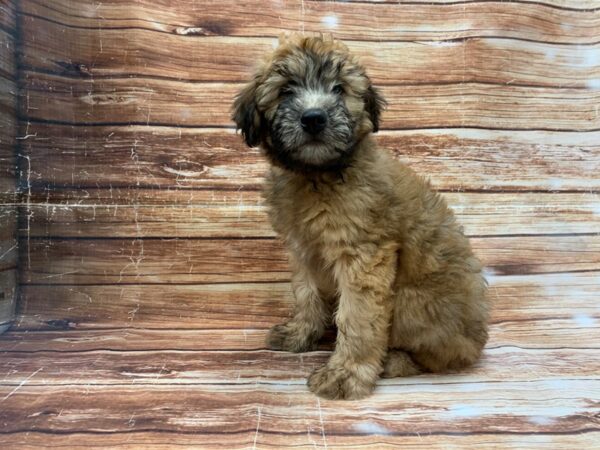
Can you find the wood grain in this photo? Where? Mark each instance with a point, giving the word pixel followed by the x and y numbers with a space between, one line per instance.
pixel 226 306
pixel 150 274
pixel 529 310
pixel 265 367
pixel 171 260
pixel 520 406
pixel 8 17
pixel 162 440
pixel 352 21
pixel 82 318
pixel 8 296
pixel 7 60
pixel 153 261
pixel 122 213
pixel 8 236
pixel 89 157
pixel 8 120
pixel 8 100
pixel 151 101
pixel 8 183
pixel 583 5
pixel 139 52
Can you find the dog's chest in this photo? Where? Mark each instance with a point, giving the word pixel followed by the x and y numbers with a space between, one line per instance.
pixel 315 218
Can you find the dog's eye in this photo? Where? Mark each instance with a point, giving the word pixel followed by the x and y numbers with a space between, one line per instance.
pixel 288 88
pixel 285 91
pixel 338 89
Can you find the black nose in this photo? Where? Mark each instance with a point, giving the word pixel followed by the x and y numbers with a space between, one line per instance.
pixel 314 120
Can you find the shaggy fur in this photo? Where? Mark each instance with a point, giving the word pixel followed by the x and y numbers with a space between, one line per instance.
pixel 373 249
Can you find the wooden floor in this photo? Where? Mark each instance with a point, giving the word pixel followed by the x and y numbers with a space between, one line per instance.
pixel 149 274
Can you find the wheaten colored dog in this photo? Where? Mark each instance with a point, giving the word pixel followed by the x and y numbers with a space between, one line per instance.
pixel 372 247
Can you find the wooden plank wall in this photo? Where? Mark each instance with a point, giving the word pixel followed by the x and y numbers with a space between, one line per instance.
pixel 150 274
pixel 8 182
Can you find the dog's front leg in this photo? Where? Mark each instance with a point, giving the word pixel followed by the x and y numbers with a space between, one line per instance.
pixel 301 333
pixel 363 318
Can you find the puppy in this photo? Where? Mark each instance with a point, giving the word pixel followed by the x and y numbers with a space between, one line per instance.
pixel 372 248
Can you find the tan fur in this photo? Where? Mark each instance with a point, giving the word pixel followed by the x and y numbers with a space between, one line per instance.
pixel 374 250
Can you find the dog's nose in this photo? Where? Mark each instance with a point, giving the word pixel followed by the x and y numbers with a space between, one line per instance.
pixel 314 120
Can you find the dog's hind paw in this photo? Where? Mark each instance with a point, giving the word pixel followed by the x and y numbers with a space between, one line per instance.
pixel 399 364
pixel 291 337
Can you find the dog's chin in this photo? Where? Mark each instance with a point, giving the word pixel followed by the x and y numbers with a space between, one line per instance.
pixel 317 153
pixel 316 156
pixel 309 154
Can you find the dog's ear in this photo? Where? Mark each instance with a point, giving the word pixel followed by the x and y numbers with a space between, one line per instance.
pixel 374 105
pixel 245 114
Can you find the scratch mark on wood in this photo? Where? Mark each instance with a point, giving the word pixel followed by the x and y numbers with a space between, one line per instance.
pixel 322 423
pixel 257 428
pixel 8 251
pixel 21 384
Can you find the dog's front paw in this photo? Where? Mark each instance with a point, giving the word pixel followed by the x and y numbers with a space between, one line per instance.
pixel 291 338
pixel 339 383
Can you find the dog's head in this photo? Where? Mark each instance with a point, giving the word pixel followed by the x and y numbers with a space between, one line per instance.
pixel 308 105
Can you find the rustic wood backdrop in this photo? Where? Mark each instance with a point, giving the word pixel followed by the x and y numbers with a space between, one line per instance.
pixel 149 274
pixel 8 168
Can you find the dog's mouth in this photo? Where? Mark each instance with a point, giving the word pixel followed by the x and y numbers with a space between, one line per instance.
pixel 322 147
pixel 316 152
pixel 313 154
pixel 315 141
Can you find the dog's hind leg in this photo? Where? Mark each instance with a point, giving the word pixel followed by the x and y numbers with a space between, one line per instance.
pixel 311 314
pixel 398 363
pixel 456 352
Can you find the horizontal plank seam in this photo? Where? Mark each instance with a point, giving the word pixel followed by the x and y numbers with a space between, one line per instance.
pixel 56 329
pixel 232 350
pixel 303 433
pixel 197 283
pixel 491 322
pixel 381 132
pixel 466 2
pixel 25 118
pixel 429 4
pixel 135 76
pixel 50 329
pixel 240 83
pixel 266 384
pixel 27 234
pixel 273 36
pixel 42 188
